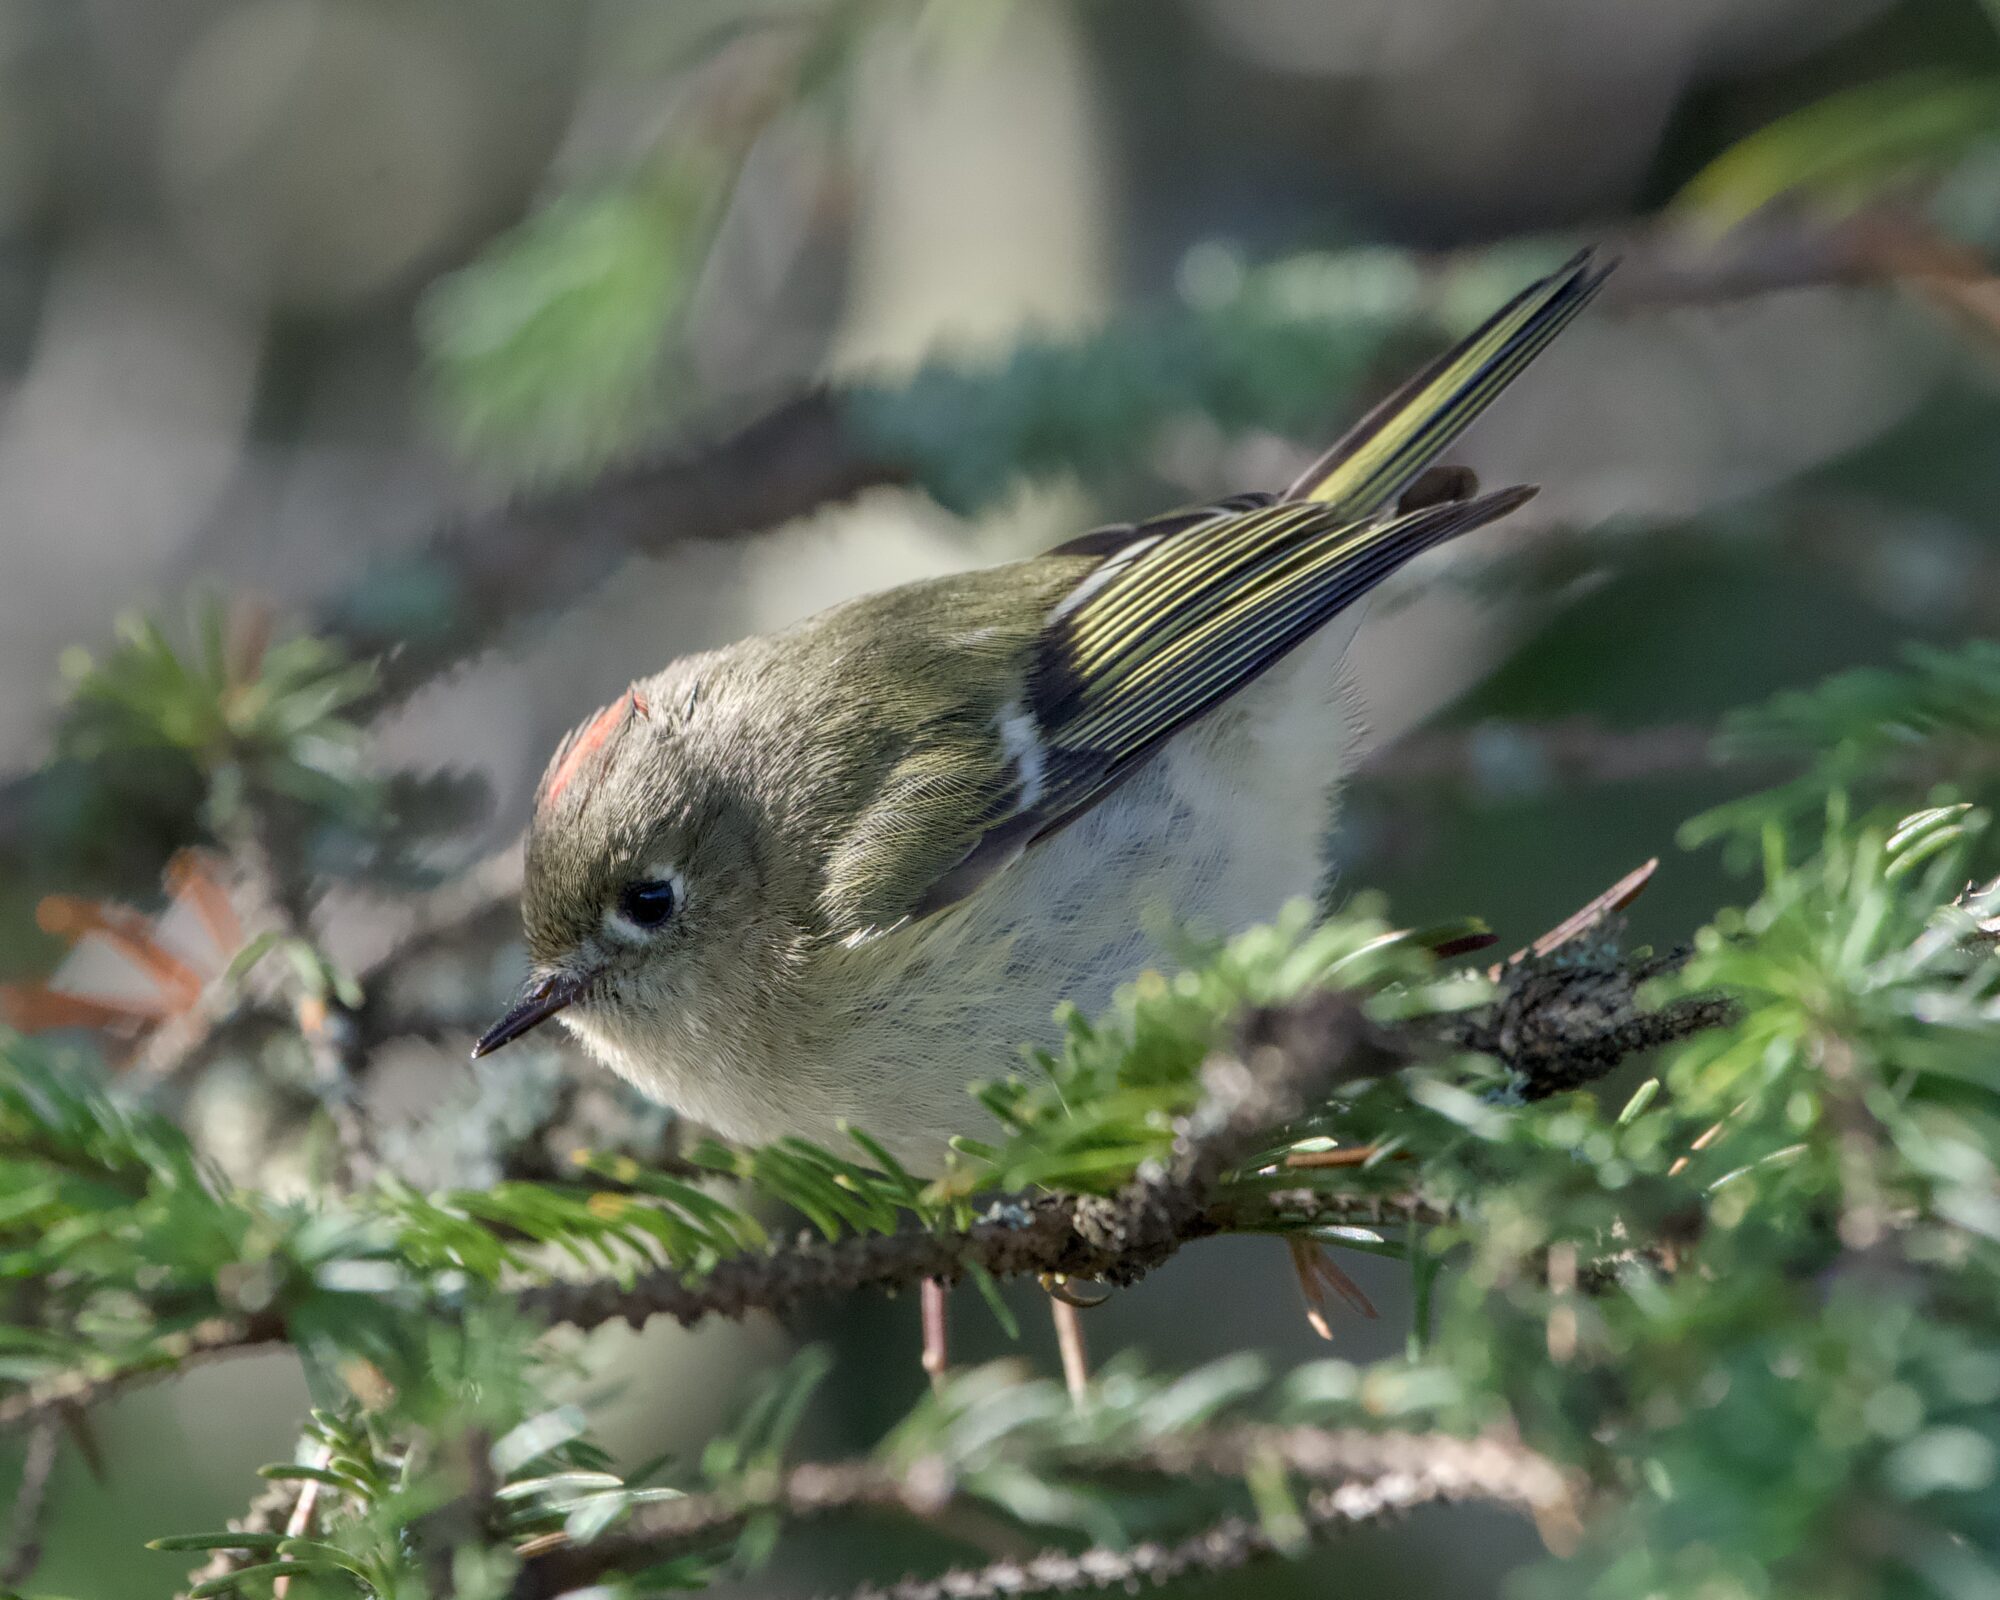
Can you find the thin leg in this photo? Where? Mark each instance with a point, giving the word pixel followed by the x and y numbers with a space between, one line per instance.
pixel 936 1333
pixel 1069 1340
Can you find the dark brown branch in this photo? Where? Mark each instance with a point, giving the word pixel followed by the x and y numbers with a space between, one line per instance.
pixel 538 555
pixel 1560 1026
pixel 1117 1239
pixel 1067 1235
pixel 1662 265
pixel 1556 1026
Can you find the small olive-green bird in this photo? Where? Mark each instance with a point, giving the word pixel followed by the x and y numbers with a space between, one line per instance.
pixel 835 874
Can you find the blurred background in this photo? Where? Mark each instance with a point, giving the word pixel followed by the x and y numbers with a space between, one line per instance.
pixel 288 285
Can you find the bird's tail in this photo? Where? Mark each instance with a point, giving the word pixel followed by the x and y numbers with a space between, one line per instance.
pixel 1382 454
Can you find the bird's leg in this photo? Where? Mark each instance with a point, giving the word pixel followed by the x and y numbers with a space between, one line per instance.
pixel 931 1296
pixel 1069 1340
pixel 1064 1302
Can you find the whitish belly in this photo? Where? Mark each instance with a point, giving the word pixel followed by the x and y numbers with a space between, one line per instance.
pixel 1214 834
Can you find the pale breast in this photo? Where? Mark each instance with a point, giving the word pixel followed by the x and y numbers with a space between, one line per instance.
pixel 1218 831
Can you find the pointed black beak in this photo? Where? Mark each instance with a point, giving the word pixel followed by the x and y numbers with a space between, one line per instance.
pixel 542 999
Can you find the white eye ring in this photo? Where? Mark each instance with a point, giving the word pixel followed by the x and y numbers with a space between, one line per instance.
pixel 666 893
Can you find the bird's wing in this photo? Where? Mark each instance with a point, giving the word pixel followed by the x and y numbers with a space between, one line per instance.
pixel 1164 632
pixel 1181 612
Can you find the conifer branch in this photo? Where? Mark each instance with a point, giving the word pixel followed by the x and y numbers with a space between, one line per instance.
pixel 1289 1054
pixel 1556 1027
pixel 1372 1478
pixel 1558 1021
pixel 546 551
pixel 1356 1477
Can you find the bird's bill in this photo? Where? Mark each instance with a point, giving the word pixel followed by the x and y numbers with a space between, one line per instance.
pixel 540 1000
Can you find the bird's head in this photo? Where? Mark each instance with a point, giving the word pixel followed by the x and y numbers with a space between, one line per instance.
pixel 649 910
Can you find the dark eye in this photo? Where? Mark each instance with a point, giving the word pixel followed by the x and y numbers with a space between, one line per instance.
pixel 649 902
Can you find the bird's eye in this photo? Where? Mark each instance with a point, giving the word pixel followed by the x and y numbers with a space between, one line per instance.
pixel 649 902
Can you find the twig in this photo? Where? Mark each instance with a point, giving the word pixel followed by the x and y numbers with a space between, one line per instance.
pixel 555 1565
pixel 1301 1209
pixel 1021 1237
pixel 1560 1026
pixel 537 555
pixel 1362 1476
pixel 1289 1055
pixel 24 1526
pixel 1559 1021
pixel 1556 1024
pixel 336 1044
pixel 1407 1471
pixel 1024 1237
pixel 270 1512
pixel 1491 757
pixel 174 1353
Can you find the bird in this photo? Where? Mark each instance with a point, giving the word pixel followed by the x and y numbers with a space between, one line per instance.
pixel 829 877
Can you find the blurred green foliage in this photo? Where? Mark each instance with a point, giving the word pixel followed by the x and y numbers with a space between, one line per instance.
pixel 556 337
pixel 1842 151
pixel 1938 717
pixel 277 713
